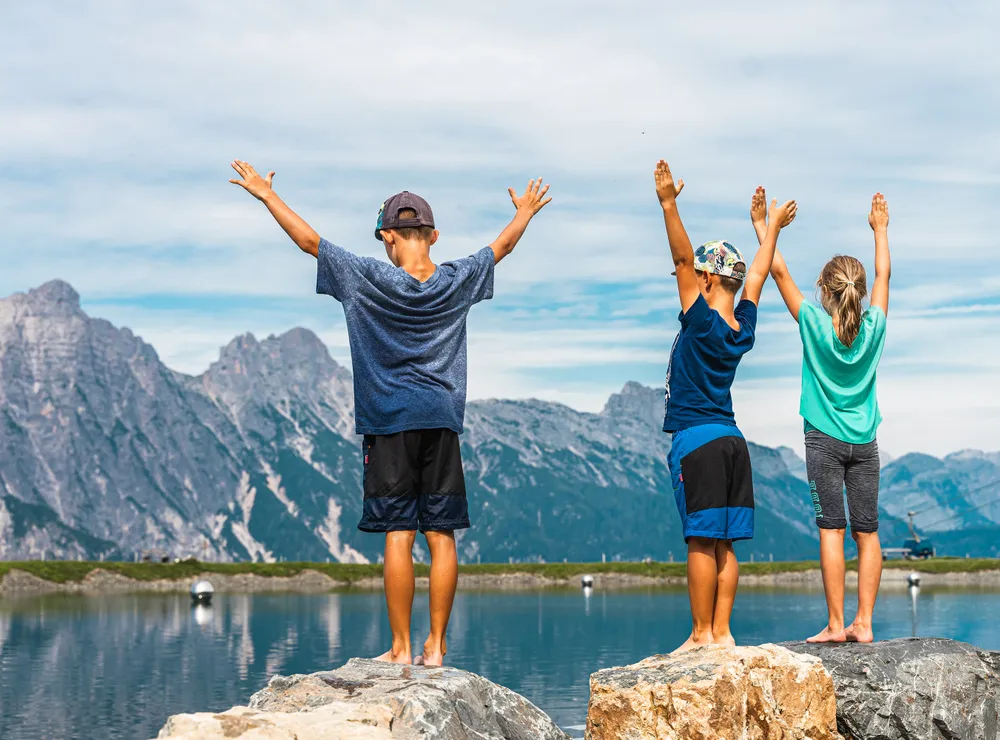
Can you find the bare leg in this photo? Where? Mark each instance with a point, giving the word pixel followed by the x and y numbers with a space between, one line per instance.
pixel 703 576
pixel 831 561
pixel 728 580
pixel 399 586
pixel 444 580
pixel 869 577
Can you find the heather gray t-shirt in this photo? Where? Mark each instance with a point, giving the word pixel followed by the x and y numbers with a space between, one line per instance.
pixel 408 339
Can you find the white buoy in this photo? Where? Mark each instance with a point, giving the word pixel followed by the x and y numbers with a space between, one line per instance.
pixel 913 579
pixel 587 581
pixel 202 592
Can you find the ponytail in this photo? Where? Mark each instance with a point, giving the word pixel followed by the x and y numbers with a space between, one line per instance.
pixel 844 285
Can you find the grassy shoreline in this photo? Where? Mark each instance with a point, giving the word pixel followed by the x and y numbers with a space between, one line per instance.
pixel 75 571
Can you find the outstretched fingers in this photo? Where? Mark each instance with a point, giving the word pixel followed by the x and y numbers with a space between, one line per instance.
pixel 758 205
pixel 879 216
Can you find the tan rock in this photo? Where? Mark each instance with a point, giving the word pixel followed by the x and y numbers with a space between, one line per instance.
pixel 715 693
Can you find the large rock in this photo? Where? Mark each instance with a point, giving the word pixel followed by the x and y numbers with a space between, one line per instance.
pixel 715 693
pixel 366 700
pixel 913 688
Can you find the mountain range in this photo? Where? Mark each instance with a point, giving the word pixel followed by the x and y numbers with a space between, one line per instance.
pixel 106 452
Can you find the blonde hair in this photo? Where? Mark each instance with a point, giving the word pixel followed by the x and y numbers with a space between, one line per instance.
pixel 843 284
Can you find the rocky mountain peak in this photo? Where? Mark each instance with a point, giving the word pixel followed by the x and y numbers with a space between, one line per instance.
pixel 57 294
pixel 54 299
pixel 636 402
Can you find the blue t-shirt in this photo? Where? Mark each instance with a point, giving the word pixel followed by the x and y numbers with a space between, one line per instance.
pixel 408 340
pixel 703 364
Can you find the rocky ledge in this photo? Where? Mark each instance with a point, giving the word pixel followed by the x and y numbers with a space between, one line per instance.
pixel 908 689
pixel 368 700
pixel 913 688
pixel 712 693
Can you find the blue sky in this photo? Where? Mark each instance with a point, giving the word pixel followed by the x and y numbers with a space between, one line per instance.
pixel 117 130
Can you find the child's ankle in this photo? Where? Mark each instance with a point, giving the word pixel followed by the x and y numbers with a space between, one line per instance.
pixel 435 644
pixel 702 636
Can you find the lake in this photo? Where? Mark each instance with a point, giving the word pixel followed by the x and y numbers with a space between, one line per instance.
pixel 117 666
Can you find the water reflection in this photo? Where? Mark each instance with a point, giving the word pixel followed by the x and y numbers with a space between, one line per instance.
pixel 202 614
pixel 116 667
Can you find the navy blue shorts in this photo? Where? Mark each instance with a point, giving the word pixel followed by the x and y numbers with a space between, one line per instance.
pixel 414 480
pixel 713 482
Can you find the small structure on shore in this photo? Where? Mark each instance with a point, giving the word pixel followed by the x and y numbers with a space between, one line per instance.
pixel 202 592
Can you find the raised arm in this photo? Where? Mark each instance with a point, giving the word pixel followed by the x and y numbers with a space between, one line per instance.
pixel 777 218
pixel 790 292
pixel 878 219
pixel 680 245
pixel 525 206
pixel 260 188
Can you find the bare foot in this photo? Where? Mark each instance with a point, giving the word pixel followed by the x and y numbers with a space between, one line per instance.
pixel 829 635
pixel 389 657
pixel 433 656
pixel 693 642
pixel 859 633
pixel 727 639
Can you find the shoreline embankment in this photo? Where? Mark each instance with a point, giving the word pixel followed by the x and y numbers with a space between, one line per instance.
pixel 73 577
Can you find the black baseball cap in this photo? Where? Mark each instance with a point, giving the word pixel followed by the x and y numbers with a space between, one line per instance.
pixel 388 214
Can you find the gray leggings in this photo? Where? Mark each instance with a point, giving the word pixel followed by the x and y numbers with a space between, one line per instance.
pixel 832 465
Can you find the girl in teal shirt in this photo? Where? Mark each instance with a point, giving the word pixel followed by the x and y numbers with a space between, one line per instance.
pixel 841 347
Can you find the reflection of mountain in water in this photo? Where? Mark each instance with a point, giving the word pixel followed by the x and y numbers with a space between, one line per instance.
pixel 97 668
pixel 105 451
pixel 128 662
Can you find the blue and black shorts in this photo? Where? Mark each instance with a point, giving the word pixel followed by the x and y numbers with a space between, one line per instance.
pixel 713 482
pixel 414 480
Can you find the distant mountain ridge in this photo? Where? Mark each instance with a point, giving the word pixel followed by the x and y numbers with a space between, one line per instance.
pixel 104 451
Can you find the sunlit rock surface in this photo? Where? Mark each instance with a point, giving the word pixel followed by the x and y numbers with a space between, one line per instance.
pixel 368 699
pixel 715 693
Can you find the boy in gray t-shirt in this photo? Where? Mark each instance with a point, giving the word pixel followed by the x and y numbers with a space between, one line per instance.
pixel 406 325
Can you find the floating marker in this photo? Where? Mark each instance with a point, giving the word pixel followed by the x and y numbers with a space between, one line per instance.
pixel 202 592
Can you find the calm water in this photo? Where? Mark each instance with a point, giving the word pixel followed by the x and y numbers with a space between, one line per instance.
pixel 116 667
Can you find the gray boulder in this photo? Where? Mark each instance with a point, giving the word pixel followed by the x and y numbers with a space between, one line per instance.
pixel 913 689
pixel 366 699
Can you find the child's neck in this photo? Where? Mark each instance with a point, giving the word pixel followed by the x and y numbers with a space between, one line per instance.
pixel 722 303
pixel 416 262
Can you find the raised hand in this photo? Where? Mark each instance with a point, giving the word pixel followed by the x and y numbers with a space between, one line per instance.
pixel 666 190
pixel 533 199
pixel 783 214
pixel 878 218
pixel 253 183
pixel 758 206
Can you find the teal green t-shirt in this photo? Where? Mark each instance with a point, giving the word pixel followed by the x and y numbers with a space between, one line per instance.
pixel 838 382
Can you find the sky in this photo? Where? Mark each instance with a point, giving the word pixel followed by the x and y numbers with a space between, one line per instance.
pixel 118 126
